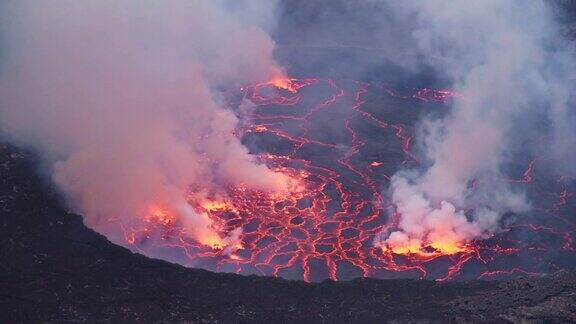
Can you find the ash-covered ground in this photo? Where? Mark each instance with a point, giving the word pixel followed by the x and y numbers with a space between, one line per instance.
pixel 54 269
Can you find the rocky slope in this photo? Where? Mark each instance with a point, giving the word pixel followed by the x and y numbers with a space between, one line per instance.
pixel 54 269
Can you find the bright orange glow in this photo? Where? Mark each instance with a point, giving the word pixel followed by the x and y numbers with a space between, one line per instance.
pixel 406 249
pixel 235 257
pixel 215 205
pixel 214 241
pixel 161 215
pixel 209 237
pixel 447 247
pixel 426 250
pixel 236 246
pixel 260 128
pixel 283 83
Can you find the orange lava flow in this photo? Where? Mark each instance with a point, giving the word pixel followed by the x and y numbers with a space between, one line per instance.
pixel 285 84
pixel 339 142
pixel 433 248
pixel 161 215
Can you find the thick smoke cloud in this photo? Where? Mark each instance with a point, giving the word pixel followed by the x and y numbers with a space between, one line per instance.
pixel 505 67
pixel 120 98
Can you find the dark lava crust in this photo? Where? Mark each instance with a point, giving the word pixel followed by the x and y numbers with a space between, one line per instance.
pixel 54 269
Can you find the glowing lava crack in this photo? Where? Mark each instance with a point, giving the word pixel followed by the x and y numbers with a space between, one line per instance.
pixel 340 141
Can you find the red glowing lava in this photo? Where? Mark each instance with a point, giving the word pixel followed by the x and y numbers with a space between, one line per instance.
pixel 341 142
pixel 433 248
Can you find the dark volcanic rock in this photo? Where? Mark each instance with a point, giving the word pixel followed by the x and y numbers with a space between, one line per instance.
pixel 54 269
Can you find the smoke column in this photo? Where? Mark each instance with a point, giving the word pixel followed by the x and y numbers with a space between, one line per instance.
pixel 504 65
pixel 120 98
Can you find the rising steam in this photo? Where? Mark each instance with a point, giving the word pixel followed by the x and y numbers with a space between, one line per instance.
pixel 120 97
pixel 504 65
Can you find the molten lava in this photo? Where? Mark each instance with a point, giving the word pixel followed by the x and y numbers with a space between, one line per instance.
pixel 215 205
pixel 337 143
pixel 161 215
pixel 285 84
pixel 434 248
pixel 281 81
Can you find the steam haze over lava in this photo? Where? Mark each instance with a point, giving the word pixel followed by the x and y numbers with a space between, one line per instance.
pixel 416 138
pixel 500 58
pixel 119 96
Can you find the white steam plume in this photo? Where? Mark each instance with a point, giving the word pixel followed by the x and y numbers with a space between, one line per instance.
pixel 499 55
pixel 119 96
